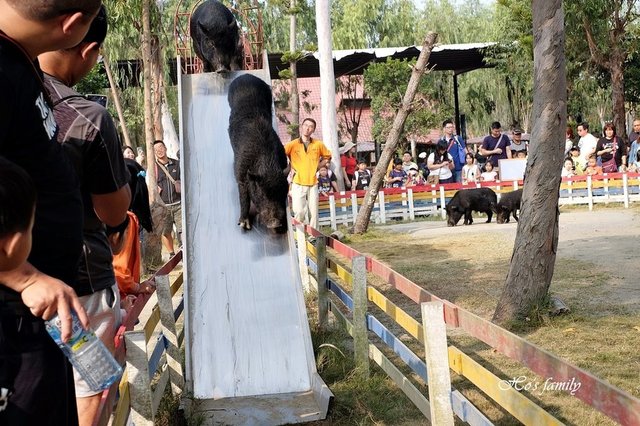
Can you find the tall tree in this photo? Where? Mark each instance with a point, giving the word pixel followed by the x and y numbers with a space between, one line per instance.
pixel 353 99
pixel 407 106
pixel 534 254
pixel 606 25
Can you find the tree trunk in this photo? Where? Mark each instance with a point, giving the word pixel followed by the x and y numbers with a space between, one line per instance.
pixel 157 82
pixel 152 246
pixel 293 67
pixel 617 87
pixel 534 252
pixel 364 215
pixel 116 100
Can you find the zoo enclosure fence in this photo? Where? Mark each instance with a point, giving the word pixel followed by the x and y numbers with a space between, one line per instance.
pixel 430 200
pixel 148 343
pixel 367 312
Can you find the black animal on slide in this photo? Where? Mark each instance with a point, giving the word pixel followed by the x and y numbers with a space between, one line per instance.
pixel 215 36
pixel 259 158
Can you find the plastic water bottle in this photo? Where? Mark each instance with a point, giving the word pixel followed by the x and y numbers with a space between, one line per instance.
pixel 86 352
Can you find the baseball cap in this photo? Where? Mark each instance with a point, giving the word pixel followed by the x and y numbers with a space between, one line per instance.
pixel 517 131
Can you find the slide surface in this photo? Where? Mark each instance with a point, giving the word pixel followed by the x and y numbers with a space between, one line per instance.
pixel 247 330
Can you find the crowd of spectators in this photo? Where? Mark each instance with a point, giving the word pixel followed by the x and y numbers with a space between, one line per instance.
pixel 609 153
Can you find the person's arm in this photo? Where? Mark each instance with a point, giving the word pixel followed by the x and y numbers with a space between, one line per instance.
pixel 509 154
pixel 45 296
pixel 600 148
pixel 112 208
pixel 435 166
pixel 452 164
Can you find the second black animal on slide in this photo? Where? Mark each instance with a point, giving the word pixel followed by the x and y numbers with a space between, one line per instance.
pixel 259 159
pixel 216 38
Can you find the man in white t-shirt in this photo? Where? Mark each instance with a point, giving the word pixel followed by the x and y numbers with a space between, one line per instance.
pixel 587 143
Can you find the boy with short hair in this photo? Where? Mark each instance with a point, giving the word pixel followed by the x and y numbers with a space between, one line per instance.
pixel 362 177
pixel 31 364
pixel 17 209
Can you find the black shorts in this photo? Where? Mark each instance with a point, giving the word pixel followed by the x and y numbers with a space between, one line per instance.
pixel 37 372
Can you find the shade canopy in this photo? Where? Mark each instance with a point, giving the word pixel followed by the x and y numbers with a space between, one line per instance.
pixel 459 58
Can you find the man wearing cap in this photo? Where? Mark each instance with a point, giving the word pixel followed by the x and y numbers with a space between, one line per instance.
pixel 306 156
pixel 456 147
pixel 517 144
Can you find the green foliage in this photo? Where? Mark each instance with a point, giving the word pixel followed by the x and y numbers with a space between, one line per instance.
pixel 275 22
pixel 358 401
pixel 95 82
pixel 359 24
pixel 386 83
pixel 292 56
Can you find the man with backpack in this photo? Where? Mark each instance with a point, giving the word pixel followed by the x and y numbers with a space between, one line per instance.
pixel 456 147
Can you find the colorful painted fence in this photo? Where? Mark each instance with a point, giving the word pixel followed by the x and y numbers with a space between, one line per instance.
pixel 430 200
pixel 152 354
pixel 332 297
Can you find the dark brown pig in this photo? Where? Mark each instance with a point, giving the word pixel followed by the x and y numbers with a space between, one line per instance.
pixel 466 201
pixel 216 39
pixel 509 204
pixel 259 157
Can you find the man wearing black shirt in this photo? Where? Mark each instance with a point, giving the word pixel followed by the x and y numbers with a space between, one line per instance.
pixel 168 179
pixel 89 136
pixel 32 367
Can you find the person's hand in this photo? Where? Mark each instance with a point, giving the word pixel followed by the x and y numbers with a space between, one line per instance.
pixel 146 287
pixel 45 296
pixel 498 150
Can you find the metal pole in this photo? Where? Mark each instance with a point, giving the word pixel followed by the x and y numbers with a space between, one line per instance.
pixel 328 86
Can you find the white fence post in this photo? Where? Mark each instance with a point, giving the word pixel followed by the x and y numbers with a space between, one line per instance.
pixel 360 340
pixel 167 319
pixel 590 192
pixel 332 212
pixel 354 206
pixel 625 190
pixel 138 378
pixel 412 209
pixel 302 257
pixel 443 211
pixel 437 358
pixel 381 203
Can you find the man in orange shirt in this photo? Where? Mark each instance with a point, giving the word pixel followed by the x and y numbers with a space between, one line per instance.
pixel 306 156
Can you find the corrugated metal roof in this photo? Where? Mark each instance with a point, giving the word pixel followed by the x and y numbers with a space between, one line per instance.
pixel 458 58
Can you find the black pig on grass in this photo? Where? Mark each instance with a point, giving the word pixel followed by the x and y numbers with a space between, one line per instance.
pixel 215 36
pixel 509 204
pixel 466 201
pixel 259 158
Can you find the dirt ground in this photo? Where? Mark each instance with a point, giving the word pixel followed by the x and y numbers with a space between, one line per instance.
pixel 608 237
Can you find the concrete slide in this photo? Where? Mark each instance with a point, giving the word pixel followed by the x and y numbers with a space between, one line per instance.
pixel 249 358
